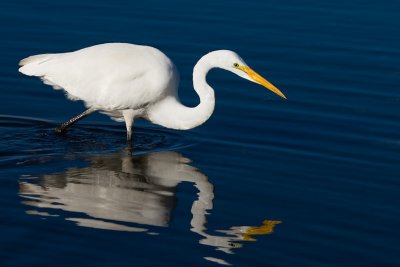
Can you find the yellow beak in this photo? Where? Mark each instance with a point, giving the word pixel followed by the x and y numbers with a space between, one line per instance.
pixel 259 79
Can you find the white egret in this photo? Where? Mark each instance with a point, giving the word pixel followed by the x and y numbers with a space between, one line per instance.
pixel 127 81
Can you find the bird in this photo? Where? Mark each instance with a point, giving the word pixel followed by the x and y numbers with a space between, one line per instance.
pixel 129 81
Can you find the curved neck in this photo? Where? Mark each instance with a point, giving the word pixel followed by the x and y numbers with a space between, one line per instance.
pixel 171 113
pixel 202 112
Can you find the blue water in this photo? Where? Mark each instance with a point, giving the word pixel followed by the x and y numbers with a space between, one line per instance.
pixel 310 181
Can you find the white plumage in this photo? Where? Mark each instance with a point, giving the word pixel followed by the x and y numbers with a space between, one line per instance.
pixel 128 81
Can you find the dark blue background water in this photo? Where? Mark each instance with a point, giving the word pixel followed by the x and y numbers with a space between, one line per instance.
pixel 311 181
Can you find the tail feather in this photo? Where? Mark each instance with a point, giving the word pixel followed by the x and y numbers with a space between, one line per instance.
pixel 31 65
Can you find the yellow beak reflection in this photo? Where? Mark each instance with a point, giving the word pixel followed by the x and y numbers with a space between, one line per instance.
pixel 259 79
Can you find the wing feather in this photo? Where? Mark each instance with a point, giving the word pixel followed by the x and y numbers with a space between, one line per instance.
pixel 112 76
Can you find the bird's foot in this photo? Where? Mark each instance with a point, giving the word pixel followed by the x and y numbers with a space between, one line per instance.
pixel 60 130
pixel 129 148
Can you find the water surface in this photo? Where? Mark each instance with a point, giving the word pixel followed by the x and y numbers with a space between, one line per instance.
pixel 311 181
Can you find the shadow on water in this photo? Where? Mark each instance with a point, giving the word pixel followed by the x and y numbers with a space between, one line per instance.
pixel 113 190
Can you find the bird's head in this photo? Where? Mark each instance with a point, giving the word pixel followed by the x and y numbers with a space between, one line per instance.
pixel 232 62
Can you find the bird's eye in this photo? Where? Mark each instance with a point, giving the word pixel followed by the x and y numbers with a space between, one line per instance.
pixel 236 65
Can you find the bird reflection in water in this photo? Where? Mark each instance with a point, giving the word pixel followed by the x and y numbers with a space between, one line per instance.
pixel 116 191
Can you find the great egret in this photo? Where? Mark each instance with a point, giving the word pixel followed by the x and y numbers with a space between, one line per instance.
pixel 127 81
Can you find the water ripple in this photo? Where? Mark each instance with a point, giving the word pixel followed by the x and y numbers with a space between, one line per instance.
pixel 28 140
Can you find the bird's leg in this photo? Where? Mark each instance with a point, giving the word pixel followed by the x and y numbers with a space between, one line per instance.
pixel 129 133
pixel 63 127
pixel 129 115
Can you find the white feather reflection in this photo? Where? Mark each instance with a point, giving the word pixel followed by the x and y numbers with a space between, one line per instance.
pixel 116 191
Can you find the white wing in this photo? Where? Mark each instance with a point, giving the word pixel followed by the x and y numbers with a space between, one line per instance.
pixel 109 76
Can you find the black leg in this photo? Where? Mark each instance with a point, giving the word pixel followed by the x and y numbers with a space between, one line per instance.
pixel 63 127
pixel 129 148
